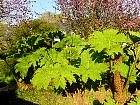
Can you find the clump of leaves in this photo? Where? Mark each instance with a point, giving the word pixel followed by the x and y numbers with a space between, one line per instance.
pixel 108 51
pixel 56 66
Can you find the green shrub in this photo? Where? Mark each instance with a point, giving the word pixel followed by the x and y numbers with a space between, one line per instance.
pixel 108 58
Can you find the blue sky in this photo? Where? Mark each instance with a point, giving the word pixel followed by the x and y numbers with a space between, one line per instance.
pixel 42 6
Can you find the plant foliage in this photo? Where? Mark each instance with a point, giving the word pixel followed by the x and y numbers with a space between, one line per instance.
pixel 105 52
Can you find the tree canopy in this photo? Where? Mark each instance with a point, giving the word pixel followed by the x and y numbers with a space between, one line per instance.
pixel 88 15
pixel 15 10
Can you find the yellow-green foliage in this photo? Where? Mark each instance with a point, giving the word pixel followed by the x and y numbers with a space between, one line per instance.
pixel 95 59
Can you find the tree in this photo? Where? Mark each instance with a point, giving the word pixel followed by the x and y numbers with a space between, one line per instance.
pixel 37 26
pixel 15 10
pixel 51 17
pixel 7 49
pixel 5 41
pixel 88 15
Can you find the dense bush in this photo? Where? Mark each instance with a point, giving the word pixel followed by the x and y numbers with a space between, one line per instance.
pixel 108 58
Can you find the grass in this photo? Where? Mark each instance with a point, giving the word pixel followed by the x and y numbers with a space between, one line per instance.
pixel 43 97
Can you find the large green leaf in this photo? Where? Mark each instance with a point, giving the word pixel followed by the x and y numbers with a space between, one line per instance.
pixel 70 41
pixel 23 66
pixel 90 69
pixel 109 40
pixel 122 68
pixel 42 78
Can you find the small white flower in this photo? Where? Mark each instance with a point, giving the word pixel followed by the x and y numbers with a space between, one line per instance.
pixel 124 44
pixel 56 39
